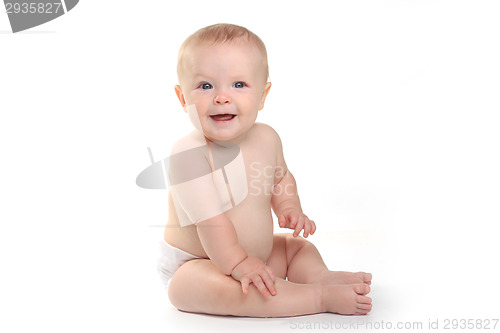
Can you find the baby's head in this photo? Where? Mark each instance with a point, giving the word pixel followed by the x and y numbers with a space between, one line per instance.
pixel 222 71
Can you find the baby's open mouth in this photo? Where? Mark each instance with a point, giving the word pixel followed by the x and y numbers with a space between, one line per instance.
pixel 223 117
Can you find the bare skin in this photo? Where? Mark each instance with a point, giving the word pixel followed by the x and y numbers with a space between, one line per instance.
pixel 258 273
pixel 303 283
pixel 198 286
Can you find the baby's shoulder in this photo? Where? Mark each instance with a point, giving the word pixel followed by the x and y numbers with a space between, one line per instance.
pixel 265 133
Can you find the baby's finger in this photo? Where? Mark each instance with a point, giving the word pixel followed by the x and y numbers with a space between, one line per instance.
pixel 257 281
pixel 269 284
pixel 245 283
pixel 271 274
pixel 313 227
pixel 293 219
pixel 299 226
pixel 282 221
pixel 307 227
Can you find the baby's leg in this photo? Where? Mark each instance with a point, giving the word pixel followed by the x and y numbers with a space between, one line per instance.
pixel 305 265
pixel 198 286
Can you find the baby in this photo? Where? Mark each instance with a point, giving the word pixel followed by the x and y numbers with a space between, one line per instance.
pixel 219 254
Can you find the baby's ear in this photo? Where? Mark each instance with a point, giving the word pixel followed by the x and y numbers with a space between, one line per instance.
pixel 180 96
pixel 264 95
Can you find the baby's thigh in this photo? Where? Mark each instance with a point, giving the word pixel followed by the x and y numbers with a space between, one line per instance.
pixel 278 260
pixel 197 283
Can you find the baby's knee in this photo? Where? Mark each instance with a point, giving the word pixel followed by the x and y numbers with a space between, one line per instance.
pixel 295 244
pixel 296 241
pixel 198 283
pixel 178 284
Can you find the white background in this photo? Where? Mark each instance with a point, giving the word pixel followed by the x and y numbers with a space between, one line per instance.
pixel 388 111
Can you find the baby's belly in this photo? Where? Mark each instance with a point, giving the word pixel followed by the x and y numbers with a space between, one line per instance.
pixel 254 227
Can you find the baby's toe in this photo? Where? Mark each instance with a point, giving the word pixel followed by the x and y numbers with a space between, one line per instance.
pixel 363 300
pixel 364 307
pixel 367 278
pixel 364 277
pixel 361 312
pixel 362 289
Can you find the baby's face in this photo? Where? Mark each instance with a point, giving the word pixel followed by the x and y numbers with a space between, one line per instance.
pixel 227 84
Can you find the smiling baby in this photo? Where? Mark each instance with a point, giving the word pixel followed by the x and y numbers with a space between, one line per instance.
pixel 219 253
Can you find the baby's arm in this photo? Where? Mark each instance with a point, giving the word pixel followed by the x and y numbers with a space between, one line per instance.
pixel 285 199
pixel 220 242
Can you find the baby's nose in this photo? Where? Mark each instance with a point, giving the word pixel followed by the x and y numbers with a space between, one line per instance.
pixel 222 98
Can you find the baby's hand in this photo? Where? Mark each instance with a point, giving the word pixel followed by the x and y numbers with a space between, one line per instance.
pixel 294 219
pixel 253 270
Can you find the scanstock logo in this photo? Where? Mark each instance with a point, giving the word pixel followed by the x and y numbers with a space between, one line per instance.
pixel 26 14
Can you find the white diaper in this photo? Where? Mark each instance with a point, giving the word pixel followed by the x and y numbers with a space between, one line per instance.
pixel 171 258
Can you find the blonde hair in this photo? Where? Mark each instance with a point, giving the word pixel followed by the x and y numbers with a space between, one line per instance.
pixel 221 33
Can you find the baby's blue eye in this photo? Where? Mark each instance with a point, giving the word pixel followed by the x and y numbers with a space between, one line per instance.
pixel 239 85
pixel 206 86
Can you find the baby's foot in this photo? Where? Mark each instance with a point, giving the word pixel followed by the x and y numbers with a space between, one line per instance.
pixel 346 299
pixel 330 277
